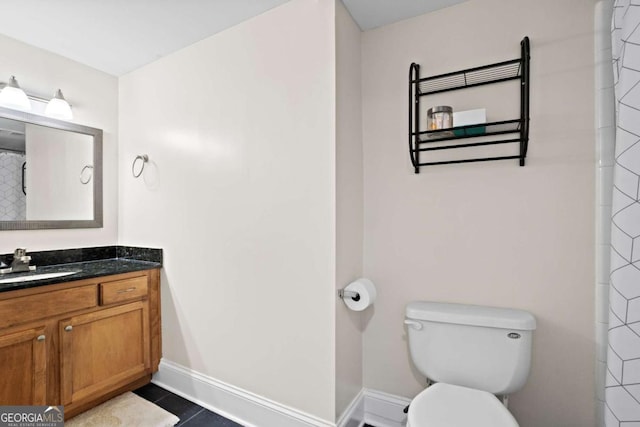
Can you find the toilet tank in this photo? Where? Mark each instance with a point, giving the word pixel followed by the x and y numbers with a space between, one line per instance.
pixel 486 348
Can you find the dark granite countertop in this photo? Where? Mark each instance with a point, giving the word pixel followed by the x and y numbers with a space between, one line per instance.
pixel 85 269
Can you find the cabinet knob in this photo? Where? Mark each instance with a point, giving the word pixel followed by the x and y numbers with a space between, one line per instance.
pixel 68 328
pixel 41 338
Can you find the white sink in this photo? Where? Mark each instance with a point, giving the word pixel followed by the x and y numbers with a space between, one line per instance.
pixel 35 277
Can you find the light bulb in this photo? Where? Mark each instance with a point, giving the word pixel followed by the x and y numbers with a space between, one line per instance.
pixel 13 96
pixel 58 107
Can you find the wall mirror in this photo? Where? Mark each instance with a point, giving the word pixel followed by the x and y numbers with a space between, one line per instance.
pixel 50 173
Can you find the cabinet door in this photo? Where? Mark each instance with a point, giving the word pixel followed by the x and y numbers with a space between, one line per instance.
pixel 103 350
pixel 23 367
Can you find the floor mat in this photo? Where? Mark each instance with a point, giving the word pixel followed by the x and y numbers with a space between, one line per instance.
pixel 127 410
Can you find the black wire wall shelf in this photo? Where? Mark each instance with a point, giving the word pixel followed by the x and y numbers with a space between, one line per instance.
pixel 423 140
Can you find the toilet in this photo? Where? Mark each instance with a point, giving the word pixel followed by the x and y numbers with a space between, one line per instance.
pixel 474 357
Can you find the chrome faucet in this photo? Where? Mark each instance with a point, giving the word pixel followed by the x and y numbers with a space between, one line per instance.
pixel 20 263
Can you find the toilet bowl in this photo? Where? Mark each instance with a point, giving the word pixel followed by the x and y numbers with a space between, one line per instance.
pixel 471 354
pixel 447 405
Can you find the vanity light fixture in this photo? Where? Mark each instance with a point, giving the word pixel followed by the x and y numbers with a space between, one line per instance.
pixel 13 96
pixel 58 107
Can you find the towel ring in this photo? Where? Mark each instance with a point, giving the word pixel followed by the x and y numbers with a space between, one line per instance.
pixel 144 159
pixel 82 174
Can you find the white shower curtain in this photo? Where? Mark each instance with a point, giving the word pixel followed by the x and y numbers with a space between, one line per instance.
pixel 13 202
pixel 623 358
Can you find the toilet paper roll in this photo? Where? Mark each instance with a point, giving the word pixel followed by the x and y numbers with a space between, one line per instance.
pixel 366 290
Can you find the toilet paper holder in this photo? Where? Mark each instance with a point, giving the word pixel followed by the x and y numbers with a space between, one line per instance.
pixel 349 294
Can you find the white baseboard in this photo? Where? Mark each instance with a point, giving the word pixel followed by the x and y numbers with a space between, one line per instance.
pixel 251 410
pixel 353 416
pixel 384 409
pixel 234 403
pixel 375 408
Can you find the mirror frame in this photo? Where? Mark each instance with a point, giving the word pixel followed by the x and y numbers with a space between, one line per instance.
pixel 97 220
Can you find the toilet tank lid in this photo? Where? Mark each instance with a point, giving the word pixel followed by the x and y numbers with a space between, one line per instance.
pixel 474 315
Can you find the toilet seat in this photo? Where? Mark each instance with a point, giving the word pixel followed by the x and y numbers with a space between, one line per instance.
pixel 447 405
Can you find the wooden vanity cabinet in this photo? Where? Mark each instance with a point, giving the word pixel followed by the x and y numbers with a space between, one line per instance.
pixel 23 363
pixel 103 349
pixel 97 338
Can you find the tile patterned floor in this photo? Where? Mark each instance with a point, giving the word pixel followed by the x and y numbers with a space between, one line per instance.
pixel 190 414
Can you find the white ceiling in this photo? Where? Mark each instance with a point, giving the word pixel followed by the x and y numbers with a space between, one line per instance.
pixel 118 36
pixel 376 13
